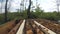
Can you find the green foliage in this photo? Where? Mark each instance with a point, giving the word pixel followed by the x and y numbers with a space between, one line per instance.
pixel 37 14
pixel 1 18
pixel 46 15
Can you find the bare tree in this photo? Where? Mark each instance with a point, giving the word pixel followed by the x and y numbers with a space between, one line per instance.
pixel 9 5
pixel 22 5
pixel 1 5
pixel 25 1
pixel 28 11
pixel 36 3
pixel 6 11
pixel 58 4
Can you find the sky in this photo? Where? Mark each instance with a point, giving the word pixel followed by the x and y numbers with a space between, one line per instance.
pixel 46 5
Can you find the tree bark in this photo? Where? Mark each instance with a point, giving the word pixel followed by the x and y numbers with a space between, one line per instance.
pixel 28 11
pixel 6 11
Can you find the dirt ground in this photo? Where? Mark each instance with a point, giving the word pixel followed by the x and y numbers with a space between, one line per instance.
pixel 5 28
pixel 30 27
pixel 50 25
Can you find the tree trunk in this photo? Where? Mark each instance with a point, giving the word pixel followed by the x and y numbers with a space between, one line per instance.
pixel 28 11
pixel 58 9
pixel 6 11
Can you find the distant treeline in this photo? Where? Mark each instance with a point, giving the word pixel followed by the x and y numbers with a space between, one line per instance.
pixel 37 14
